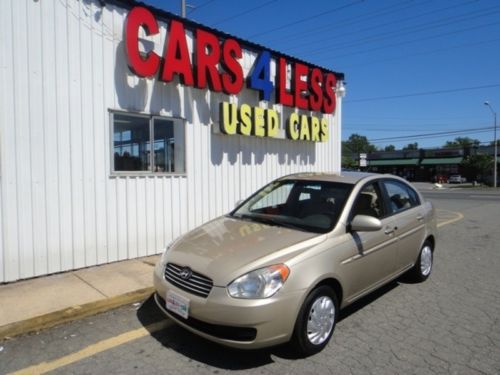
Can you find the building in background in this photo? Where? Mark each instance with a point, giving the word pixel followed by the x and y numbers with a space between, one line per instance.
pixel 122 127
pixel 433 165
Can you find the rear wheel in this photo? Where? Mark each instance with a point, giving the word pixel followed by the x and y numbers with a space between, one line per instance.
pixel 423 267
pixel 315 322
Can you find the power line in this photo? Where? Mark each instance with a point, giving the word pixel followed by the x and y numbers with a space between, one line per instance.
pixel 413 118
pixel 292 37
pixel 433 135
pixel 243 13
pixel 402 31
pixel 196 7
pixel 322 51
pixel 305 19
pixel 487 143
pixel 410 30
pixel 422 93
pixel 406 130
pixel 365 63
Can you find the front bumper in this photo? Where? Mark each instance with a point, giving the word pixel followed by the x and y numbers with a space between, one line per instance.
pixel 240 323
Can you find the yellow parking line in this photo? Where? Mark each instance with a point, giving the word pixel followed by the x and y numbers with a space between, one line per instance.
pixel 93 349
pixel 458 216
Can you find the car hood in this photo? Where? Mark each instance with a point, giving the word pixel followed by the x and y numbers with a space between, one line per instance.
pixel 226 248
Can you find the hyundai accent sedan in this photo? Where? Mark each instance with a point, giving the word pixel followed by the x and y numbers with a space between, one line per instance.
pixel 281 265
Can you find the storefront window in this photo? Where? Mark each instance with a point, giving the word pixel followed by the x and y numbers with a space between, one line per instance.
pixel 168 145
pixel 133 136
pixel 131 143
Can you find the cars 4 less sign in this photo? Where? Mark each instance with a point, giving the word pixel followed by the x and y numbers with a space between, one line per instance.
pixel 216 65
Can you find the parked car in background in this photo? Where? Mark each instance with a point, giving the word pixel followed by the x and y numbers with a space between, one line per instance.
pixel 280 266
pixel 440 179
pixel 456 179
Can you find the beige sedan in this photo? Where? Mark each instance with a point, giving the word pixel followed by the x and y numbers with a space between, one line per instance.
pixel 281 265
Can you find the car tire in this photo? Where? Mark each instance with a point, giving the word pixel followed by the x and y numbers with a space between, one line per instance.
pixel 315 322
pixel 423 266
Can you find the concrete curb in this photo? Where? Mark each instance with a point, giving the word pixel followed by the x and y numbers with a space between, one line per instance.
pixel 73 313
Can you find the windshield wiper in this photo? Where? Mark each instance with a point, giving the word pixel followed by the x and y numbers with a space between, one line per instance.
pixel 258 219
pixel 270 221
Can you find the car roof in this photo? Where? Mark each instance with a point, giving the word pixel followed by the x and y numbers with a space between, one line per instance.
pixel 346 177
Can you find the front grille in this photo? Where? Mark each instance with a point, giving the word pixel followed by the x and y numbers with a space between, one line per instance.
pixel 244 334
pixel 197 284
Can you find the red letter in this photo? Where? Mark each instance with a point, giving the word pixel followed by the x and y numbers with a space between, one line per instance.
pixel 284 97
pixel 177 56
pixel 207 58
pixel 316 94
pixel 329 101
pixel 300 86
pixel 232 80
pixel 147 66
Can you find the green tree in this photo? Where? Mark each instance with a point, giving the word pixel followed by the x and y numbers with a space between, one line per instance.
pixel 460 142
pixel 352 147
pixel 476 166
pixel 359 144
pixel 390 148
pixel 492 143
pixel 411 146
pixel 348 162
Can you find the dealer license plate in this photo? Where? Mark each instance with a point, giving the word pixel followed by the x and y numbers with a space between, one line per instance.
pixel 178 304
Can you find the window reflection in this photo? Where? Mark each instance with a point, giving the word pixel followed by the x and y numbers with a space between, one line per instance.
pixel 133 136
pixel 131 143
pixel 168 145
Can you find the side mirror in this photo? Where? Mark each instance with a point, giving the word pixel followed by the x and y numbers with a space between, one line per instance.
pixel 365 223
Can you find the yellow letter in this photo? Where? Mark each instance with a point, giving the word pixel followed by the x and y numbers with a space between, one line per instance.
pixel 315 129
pixel 291 128
pixel 324 130
pixel 227 118
pixel 245 127
pixel 272 123
pixel 258 122
pixel 305 134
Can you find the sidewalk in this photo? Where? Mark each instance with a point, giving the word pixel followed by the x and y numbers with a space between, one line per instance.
pixel 43 302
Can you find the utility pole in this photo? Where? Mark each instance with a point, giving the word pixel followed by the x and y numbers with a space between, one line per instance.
pixel 184 6
pixel 494 143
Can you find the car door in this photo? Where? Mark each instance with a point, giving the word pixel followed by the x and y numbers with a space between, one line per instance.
pixel 374 253
pixel 408 215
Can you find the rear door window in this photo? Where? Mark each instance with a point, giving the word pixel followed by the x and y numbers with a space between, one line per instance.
pixel 401 197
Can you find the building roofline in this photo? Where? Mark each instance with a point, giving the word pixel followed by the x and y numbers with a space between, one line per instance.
pixel 252 46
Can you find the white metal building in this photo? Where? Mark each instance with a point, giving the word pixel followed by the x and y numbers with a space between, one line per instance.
pixel 80 184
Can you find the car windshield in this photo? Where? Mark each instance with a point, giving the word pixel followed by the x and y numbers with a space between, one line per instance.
pixel 313 206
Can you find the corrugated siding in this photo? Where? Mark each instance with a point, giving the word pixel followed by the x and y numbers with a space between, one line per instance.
pixel 62 68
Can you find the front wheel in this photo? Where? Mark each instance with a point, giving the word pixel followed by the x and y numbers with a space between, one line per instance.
pixel 423 267
pixel 315 322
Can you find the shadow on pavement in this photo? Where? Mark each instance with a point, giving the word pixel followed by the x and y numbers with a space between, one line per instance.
pixel 201 350
pixel 365 301
pixel 197 348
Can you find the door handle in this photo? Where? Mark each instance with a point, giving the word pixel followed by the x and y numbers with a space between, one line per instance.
pixel 420 218
pixel 389 230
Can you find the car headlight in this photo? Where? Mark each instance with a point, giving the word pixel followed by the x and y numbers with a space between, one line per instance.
pixel 261 283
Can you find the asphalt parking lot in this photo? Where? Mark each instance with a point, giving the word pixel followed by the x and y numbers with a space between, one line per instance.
pixel 449 324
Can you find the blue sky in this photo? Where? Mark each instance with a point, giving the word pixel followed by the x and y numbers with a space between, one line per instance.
pixel 412 67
